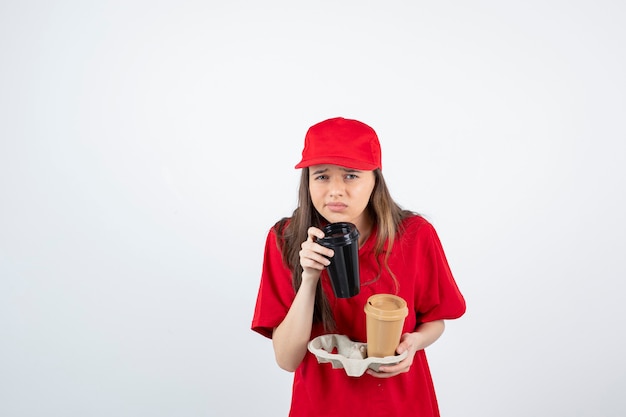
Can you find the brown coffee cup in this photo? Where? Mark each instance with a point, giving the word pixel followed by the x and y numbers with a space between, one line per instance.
pixel 384 315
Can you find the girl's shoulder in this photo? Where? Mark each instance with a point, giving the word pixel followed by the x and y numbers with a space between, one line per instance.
pixel 414 221
pixel 415 226
pixel 279 227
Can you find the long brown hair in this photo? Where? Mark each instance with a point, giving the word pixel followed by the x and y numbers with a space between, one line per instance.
pixel 291 232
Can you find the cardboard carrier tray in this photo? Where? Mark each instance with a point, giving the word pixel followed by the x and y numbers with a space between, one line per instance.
pixel 342 352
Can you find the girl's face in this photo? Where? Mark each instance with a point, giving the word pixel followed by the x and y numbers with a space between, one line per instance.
pixel 341 194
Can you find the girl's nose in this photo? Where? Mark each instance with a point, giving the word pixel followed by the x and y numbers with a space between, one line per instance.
pixel 337 187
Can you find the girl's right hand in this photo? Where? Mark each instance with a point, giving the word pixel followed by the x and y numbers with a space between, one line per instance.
pixel 313 256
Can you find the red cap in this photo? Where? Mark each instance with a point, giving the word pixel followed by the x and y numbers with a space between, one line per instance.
pixel 345 142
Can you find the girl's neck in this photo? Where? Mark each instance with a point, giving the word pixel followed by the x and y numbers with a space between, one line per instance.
pixel 364 226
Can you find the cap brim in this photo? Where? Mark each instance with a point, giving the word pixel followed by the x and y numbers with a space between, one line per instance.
pixel 338 160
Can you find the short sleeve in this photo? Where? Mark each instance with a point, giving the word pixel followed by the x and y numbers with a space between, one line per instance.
pixel 276 291
pixel 437 296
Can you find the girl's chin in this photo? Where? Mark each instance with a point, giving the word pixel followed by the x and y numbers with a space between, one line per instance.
pixel 335 218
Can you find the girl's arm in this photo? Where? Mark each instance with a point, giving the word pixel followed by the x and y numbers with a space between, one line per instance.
pixel 292 335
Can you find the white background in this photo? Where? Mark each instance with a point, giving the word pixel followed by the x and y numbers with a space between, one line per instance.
pixel 146 147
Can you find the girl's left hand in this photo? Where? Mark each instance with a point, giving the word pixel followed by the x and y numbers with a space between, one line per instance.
pixel 408 342
pixel 425 334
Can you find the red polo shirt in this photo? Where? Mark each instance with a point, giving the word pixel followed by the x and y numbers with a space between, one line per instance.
pixel 426 283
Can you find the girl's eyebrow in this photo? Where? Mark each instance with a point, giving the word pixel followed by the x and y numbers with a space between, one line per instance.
pixel 322 170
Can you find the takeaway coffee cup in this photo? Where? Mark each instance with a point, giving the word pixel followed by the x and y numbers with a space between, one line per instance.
pixel 384 315
pixel 343 238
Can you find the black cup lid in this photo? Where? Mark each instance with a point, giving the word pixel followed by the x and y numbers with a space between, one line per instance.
pixel 339 234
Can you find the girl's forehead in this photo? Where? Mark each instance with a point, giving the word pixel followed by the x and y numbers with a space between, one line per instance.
pixel 330 167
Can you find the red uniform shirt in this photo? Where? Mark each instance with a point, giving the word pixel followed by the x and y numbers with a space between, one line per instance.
pixel 418 261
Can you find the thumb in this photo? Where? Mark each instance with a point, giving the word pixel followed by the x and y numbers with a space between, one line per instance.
pixel 403 344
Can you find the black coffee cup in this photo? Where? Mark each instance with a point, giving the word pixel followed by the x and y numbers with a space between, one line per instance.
pixel 343 238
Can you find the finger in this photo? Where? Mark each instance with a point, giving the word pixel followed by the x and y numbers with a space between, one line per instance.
pixel 314 264
pixel 312 247
pixel 388 372
pixel 391 369
pixel 402 347
pixel 405 343
pixel 379 374
pixel 313 232
pixel 396 368
pixel 312 259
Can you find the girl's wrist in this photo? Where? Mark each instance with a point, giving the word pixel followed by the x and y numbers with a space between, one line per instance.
pixel 309 283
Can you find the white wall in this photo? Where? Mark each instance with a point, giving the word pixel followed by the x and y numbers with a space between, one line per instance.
pixel 147 146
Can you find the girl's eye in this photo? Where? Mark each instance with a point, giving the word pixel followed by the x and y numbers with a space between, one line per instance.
pixel 321 177
pixel 351 176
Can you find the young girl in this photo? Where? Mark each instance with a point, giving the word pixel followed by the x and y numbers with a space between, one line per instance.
pixel 399 253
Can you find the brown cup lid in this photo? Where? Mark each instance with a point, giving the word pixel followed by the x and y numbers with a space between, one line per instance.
pixel 386 307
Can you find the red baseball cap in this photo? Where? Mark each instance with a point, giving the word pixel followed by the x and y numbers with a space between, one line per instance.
pixel 345 142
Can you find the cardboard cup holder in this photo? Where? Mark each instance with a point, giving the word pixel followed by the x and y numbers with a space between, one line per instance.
pixel 342 352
